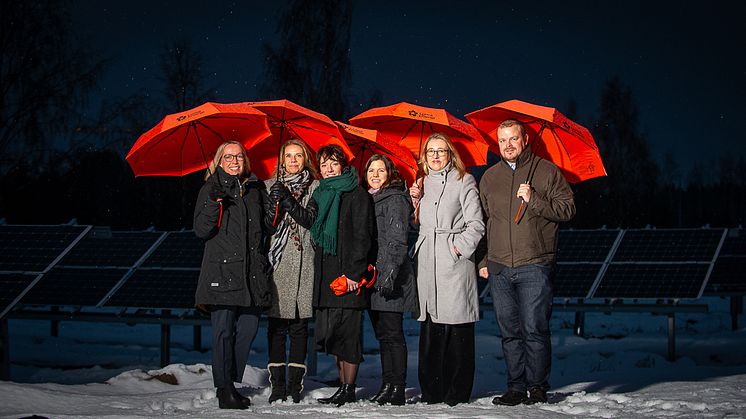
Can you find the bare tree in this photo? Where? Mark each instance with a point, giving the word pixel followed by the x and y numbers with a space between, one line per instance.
pixel 311 64
pixel 45 78
pixel 633 174
pixel 182 76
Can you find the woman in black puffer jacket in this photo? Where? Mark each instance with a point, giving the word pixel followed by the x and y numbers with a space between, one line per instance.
pixel 395 289
pixel 234 217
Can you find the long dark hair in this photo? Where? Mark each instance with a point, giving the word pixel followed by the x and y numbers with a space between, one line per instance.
pixel 393 177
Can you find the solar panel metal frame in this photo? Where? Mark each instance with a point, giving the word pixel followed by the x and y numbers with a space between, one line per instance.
pixel 132 270
pixel 149 264
pixel 73 286
pixel 63 251
pixel 710 264
pixel 146 271
pixel 729 291
pixel 62 261
pixel 629 234
pixel 10 306
pixel 604 266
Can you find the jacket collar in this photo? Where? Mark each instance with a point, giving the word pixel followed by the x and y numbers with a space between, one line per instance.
pixel 524 158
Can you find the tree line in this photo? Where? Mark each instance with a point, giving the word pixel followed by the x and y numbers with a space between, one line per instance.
pixel 58 163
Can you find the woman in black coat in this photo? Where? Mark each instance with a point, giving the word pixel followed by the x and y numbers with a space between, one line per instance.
pixel 343 232
pixel 395 291
pixel 233 216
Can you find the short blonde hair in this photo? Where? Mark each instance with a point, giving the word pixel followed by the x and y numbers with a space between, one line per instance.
pixel 219 156
pixel 456 161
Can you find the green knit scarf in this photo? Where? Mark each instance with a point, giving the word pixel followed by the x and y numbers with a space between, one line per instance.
pixel 327 196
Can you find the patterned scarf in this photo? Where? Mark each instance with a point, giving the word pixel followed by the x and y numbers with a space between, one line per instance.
pixel 327 196
pixel 287 228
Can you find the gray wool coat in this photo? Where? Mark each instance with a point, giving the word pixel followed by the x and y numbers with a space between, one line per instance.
pixel 450 215
pixel 292 279
pixel 393 212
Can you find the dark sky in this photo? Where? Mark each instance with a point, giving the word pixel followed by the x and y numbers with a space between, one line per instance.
pixel 685 61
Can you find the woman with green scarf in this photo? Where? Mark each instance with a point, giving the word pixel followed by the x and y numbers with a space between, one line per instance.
pixel 343 231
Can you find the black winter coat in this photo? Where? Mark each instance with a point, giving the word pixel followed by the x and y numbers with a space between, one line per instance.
pixel 355 235
pixel 393 208
pixel 234 266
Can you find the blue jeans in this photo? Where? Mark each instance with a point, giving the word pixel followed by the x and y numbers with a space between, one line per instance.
pixel 522 297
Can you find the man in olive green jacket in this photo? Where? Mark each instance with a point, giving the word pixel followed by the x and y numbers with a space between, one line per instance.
pixel 524 197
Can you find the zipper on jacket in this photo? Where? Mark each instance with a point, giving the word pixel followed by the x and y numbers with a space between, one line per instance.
pixel 510 212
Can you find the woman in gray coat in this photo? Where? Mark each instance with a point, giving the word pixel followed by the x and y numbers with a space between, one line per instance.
pixel 451 227
pixel 394 288
pixel 291 256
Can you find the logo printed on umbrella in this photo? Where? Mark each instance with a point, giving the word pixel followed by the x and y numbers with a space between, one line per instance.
pixel 181 118
pixel 423 115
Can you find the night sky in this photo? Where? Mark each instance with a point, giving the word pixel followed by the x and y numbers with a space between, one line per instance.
pixel 685 61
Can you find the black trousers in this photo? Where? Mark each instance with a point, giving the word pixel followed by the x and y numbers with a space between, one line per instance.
pixel 390 335
pixel 233 333
pixel 446 367
pixel 278 330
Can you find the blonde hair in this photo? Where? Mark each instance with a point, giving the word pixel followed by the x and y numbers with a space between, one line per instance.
pixel 456 161
pixel 219 156
pixel 307 157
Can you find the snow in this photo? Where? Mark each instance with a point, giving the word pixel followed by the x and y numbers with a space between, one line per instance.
pixel 618 370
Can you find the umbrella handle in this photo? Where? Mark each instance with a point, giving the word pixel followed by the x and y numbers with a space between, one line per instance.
pixel 520 212
pixel 277 212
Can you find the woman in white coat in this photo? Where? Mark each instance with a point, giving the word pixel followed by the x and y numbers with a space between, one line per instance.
pixel 451 226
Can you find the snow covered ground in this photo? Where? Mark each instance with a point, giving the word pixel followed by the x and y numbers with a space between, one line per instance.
pixel 618 370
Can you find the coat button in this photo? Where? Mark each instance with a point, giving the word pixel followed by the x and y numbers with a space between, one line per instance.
pixel 249 219
pixel 225 260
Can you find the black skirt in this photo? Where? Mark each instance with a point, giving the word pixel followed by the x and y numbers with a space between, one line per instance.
pixel 338 333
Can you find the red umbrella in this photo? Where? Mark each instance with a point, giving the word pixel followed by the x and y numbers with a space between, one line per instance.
pixel 184 142
pixel 552 136
pixel 366 142
pixel 288 120
pixel 412 124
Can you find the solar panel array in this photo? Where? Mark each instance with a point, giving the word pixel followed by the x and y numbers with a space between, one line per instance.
pixel 729 274
pixel 78 266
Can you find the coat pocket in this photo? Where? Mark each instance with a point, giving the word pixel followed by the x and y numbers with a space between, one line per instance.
pixel 232 277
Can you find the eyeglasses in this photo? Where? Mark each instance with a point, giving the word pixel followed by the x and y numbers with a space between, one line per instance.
pixel 229 157
pixel 440 152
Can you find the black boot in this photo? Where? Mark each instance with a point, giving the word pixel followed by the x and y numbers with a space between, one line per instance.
pixel 277 381
pixel 228 398
pixel 245 400
pixel 296 372
pixel 383 394
pixel 397 395
pixel 344 394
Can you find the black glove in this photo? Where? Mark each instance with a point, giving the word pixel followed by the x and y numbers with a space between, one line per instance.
pixel 288 203
pixel 216 192
pixel 278 191
pixel 385 288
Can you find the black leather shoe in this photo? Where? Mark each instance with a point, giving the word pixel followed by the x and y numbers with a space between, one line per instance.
pixel 396 396
pixel 383 393
pixel 245 400
pixel 335 396
pixel 536 395
pixel 228 398
pixel 345 394
pixel 511 398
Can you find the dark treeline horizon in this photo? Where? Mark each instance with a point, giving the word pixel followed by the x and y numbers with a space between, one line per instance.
pixel 45 98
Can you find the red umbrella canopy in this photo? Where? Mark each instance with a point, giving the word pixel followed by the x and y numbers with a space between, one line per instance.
pixel 288 120
pixel 552 136
pixel 185 142
pixel 412 124
pixel 366 142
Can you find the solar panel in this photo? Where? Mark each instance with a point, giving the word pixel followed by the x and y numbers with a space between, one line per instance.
pixel 101 247
pixel 75 287
pixel 669 245
pixel 157 288
pixel 180 249
pixel 734 244
pixel 25 248
pixel 652 280
pixel 585 245
pixel 11 286
pixel 575 280
pixel 728 277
